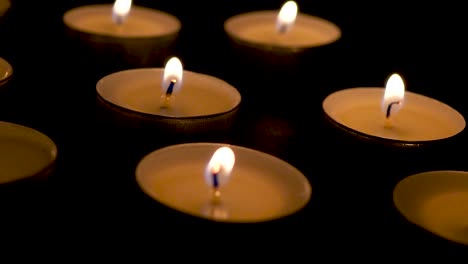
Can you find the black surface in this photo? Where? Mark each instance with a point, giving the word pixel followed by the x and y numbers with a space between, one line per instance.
pixel 92 194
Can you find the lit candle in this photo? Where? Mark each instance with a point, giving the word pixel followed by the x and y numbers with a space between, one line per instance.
pixel 436 201
pixel 171 96
pixel 6 71
pixel 223 183
pixel 292 32
pixel 393 113
pixel 139 31
pixel 24 153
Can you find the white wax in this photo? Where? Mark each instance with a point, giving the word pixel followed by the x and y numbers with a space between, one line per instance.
pixel 24 152
pixel 261 187
pixel 140 90
pixel 436 201
pixel 141 22
pixel 5 70
pixel 420 119
pixel 259 28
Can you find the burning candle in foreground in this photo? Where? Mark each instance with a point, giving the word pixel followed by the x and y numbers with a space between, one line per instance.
pixel 223 183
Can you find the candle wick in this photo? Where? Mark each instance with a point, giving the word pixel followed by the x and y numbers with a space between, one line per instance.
pixel 170 89
pixel 215 180
pixel 389 108
pixel 118 19
pixel 215 175
pixel 168 95
pixel 215 208
pixel 282 28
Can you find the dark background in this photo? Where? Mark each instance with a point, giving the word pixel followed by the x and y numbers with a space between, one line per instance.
pixel 92 197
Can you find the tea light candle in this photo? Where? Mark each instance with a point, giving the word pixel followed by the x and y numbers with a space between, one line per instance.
pixel 223 183
pixel 121 20
pixel 436 201
pixel 6 71
pixel 24 152
pixel 292 32
pixel 171 94
pixel 141 31
pixel 393 113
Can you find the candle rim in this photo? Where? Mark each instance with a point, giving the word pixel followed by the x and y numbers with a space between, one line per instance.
pixel 425 185
pixel 6 71
pixel 271 15
pixel 209 147
pixel 70 15
pixel 236 102
pixel 326 108
pixel 24 133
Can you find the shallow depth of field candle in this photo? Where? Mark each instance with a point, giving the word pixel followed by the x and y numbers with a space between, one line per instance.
pixel 223 182
pixel 121 20
pixel 24 152
pixel 285 29
pixel 436 201
pixel 6 71
pixel 393 113
pixel 169 92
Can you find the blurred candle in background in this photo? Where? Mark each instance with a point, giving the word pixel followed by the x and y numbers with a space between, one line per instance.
pixel 123 33
pixel 292 32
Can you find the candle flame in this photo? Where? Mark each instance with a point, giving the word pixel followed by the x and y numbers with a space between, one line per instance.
pixel 221 164
pixel 394 95
pixel 286 17
pixel 120 10
pixel 172 75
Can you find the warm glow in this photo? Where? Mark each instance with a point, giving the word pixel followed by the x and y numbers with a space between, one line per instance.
pixel 173 73
pixel 222 162
pixel 394 95
pixel 120 10
pixel 286 17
